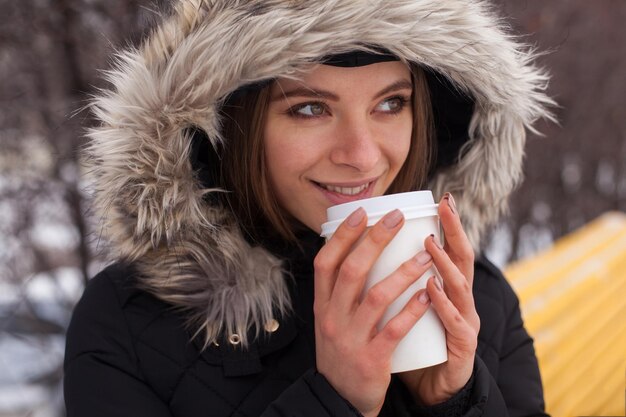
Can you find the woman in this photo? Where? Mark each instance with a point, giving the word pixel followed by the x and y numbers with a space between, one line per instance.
pixel 222 142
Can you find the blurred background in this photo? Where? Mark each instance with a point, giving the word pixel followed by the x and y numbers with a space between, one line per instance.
pixel 51 52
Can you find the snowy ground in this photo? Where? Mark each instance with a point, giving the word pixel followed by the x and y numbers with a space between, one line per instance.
pixel 25 359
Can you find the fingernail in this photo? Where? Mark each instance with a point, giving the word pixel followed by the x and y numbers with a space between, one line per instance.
pixel 356 217
pixel 393 219
pixel 451 203
pixel 423 297
pixel 436 241
pixel 423 257
pixel 437 283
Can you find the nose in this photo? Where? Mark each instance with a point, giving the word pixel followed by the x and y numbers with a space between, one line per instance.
pixel 356 145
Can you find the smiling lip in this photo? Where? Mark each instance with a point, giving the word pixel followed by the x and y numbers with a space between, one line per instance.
pixel 339 193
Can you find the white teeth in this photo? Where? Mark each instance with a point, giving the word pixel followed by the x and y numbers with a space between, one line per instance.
pixel 345 190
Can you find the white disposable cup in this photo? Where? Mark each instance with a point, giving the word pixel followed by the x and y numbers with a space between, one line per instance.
pixel 425 344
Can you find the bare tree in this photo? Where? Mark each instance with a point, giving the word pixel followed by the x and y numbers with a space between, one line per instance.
pixel 577 170
pixel 51 51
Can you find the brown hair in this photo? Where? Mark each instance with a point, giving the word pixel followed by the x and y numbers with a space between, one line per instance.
pixel 414 172
pixel 244 174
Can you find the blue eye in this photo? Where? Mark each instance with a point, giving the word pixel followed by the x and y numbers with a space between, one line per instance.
pixel 308 110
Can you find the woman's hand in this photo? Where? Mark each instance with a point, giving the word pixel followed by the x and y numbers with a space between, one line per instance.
pixel 455 306
pixel 353 356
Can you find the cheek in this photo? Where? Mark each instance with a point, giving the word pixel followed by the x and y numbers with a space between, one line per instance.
pixel 398 147
pixel 285 158
pixel 290 150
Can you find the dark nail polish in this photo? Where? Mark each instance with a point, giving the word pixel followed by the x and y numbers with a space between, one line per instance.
pixel 452 204
pixel 437 242
pixel 437 283
pixel 450 201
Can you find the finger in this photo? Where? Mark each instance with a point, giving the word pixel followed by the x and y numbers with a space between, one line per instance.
pixel 456 285
pixel 332 254
pixel 457 244
pixel 386 341
pixel 378 298
pixel 354 269
pixel 464 330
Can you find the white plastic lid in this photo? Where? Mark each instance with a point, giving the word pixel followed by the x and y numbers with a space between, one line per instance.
pixel 413 205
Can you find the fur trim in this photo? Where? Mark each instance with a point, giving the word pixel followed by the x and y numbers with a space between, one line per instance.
pixel 153 208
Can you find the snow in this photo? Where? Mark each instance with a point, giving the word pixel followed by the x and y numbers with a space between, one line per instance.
pixel 499 248
pixel 61 284
pixel 58 286
pixel 53 235
pixel 21 397
pixel 533 239
pixel 23 359
pixel 9 294
pixel 605 178
pixel 571 173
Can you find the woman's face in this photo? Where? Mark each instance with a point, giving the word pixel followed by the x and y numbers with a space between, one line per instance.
pixel 338 135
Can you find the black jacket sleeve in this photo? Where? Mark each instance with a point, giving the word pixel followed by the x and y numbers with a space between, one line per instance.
pixel 518 377
pixel 311 396
pixel 507 383
pixel 101 376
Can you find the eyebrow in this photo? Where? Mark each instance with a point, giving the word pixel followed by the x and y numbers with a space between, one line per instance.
pixel 324 94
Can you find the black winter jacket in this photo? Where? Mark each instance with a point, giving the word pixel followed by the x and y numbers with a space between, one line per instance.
pixel 129 355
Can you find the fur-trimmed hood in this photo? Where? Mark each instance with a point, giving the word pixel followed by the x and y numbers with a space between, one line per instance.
pixel 153 207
